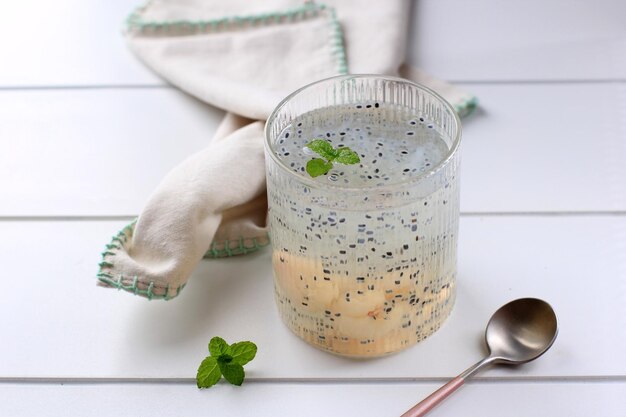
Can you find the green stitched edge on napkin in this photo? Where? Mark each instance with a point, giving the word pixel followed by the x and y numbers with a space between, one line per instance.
pixel 223 249
pixel 466 107
pixel 117 281
pixel 133 288
pixel 242 246
pixel 337 43
pixel 135 22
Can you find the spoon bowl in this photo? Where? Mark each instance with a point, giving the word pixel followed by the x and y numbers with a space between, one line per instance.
pixel 521 331
pixel 518 332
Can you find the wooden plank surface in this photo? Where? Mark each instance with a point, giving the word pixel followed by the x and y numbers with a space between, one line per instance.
pixel 68 43
pixel 94 152
pixel 103 151
pixel 549 139
pixel 520 40
pixel 80 43
pixel 546 147
pixel 577 263
pixel 477 399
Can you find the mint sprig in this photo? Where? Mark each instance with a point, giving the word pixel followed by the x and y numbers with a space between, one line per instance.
pixel 225 360
pixel 320 166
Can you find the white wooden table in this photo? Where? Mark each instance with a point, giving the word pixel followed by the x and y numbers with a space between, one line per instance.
pixel 543 214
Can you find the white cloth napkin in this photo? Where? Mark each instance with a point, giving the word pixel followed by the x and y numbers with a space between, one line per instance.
pixel 243 57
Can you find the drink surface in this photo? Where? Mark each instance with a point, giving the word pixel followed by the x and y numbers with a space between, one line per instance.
pixel 363 280
pixel 394 146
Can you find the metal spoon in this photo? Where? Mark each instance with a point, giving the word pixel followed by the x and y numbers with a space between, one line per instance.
pixel 518 332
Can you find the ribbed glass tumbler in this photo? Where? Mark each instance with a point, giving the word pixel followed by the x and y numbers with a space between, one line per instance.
pixel 363 191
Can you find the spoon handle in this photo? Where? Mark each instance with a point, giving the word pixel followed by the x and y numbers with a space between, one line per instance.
pixel 428 403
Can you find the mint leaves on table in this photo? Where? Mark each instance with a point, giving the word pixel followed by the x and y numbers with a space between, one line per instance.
pixel 320 166
pixel 226 360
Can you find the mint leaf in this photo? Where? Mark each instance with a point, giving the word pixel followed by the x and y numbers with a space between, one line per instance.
pixel 243 352
pixel 347 156
pixel 208 373
pixel 233 372
pixel 225 360
pixel 316 167
pixel 218 347
pixel 322 148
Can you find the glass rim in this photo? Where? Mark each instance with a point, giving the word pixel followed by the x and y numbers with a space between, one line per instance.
pixel 376 188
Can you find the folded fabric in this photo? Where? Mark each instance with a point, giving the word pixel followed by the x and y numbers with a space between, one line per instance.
pixel 243 57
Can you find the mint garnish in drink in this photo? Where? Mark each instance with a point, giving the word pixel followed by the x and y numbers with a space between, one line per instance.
pixel 320 166
pixel 226 360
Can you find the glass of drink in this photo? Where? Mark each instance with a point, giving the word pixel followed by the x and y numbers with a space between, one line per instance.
pixel 364 248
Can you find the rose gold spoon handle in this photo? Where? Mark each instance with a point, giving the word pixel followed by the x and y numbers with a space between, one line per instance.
pixel 435 398
pixel 428 403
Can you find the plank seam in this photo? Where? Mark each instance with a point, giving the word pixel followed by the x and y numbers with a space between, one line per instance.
pixel 249 380
pixel 129 217
pixel 168 86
